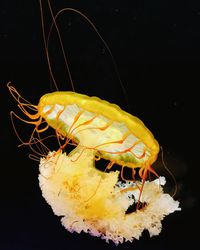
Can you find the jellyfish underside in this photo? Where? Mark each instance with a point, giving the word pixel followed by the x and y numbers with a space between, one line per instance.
pixel 95 202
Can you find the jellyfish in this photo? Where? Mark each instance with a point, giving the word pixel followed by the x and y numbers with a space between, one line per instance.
pixel 88 199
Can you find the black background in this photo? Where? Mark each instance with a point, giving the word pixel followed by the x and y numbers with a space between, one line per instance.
pixel 156 45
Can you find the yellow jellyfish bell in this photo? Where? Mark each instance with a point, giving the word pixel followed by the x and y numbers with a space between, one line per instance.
pixel 100 126
pixel 87 199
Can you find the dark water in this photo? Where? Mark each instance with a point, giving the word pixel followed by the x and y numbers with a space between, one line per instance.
pixel 156 45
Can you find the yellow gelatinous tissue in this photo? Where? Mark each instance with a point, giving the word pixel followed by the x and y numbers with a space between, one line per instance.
pixel 96 202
